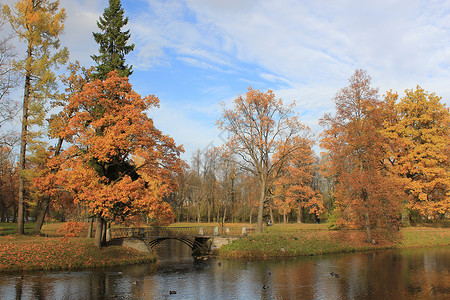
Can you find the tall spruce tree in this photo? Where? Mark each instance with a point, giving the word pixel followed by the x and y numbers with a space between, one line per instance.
pixel 113 42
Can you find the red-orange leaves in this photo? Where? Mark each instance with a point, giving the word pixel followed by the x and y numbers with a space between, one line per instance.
pixel 365 194
pixel 119 164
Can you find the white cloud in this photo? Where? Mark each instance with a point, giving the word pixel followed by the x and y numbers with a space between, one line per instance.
pixel 303 50
pixel 81 22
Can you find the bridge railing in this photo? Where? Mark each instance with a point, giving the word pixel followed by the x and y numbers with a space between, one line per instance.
pixel 140 232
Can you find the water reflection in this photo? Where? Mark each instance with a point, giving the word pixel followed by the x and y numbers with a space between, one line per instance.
pixel 415 273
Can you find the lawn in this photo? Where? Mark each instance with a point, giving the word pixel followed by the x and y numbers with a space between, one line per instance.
pixel 304 241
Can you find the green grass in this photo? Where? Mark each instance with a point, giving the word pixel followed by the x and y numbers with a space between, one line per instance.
pixel 47 229
pixel 306 242
pixel 11 228
pixel 425 236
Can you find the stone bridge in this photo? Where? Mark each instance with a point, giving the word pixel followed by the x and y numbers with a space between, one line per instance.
pixel 202 240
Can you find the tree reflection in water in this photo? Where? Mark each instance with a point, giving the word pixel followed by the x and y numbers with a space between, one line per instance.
pixel 414 273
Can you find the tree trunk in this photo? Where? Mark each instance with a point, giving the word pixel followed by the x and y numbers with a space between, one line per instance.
pixel 90 228
pixel 284 216
pixel 23 143
pixel 178 214
pixel 42 211
pixel 108 232
pixel 406 221
pixel 224 218
pixel 262 198
pixel 98 231
pixel 251 215
pixel 299 214
pixel 209 212
pixel 104 225
pixel 368 229
pixel 271 214
pixel 3 214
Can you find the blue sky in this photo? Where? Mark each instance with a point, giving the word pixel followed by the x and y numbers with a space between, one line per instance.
pixel 196 54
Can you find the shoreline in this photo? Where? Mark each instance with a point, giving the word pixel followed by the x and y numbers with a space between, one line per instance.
pixel 34 253
pixel 311 243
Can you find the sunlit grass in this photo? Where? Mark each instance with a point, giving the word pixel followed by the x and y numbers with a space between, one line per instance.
pixel 47 228
pixel 304 242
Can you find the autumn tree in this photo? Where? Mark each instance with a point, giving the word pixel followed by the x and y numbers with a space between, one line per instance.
pixel 365 195
pixel 419 131
pixel 38 23
pixel 261 127
pixel 113 42
pixel 295 187
pixel 119 165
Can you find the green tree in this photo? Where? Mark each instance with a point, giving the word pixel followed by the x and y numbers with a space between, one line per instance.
pixel 38 23
pixel 113 42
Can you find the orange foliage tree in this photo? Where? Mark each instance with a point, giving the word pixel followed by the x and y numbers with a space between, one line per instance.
pixel 419 130
pixel 366 196
pixel 295 188
pixel 118 165
pixel 45 165
pixel 262 130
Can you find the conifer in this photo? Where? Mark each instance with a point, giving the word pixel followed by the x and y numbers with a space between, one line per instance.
pixel 113 42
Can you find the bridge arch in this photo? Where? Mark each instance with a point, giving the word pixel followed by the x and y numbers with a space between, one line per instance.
pixel 198 245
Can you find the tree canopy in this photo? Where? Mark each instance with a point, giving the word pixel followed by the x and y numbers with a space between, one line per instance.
pixel 366 196
pixel 264 133
pixel 420 133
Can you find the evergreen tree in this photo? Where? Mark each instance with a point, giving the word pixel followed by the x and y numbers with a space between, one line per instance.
pixel 113 42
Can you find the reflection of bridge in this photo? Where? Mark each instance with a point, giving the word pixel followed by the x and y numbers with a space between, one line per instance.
pixel 200 239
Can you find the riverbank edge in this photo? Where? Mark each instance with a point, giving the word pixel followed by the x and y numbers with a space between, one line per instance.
pixel 311 243
pixel 36 253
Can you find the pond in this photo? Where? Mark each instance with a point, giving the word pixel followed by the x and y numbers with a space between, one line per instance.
pixel 391 274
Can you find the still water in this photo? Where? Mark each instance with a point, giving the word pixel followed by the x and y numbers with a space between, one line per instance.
pixel 406 274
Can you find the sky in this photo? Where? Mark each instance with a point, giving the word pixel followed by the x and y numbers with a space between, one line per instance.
pixel 196 55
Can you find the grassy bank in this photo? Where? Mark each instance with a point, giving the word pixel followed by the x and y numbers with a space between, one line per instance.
pixel 49 229
pixel 23 253
pixel 277 243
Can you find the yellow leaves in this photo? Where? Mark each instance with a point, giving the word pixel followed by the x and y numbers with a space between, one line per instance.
pixel 420 138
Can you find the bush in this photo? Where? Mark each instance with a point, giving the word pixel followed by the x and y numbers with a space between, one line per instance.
pixel 72 229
